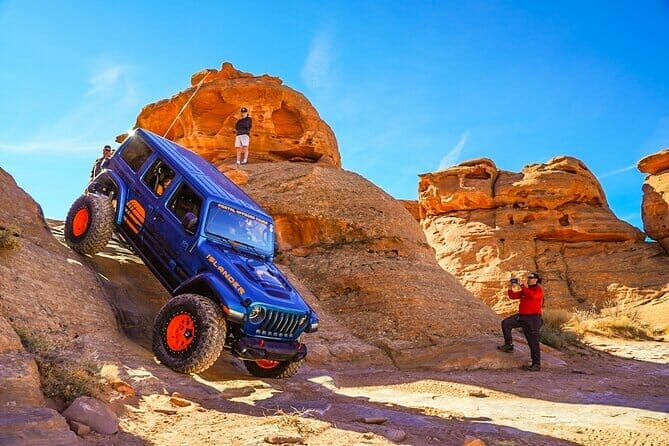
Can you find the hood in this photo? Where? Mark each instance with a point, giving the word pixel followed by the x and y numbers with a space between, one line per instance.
pixel 262 281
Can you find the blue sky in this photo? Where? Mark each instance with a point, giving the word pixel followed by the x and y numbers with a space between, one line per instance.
pixel 408 87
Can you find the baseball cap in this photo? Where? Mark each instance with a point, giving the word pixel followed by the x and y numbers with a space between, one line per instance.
pixel 533 276
pixel 244 110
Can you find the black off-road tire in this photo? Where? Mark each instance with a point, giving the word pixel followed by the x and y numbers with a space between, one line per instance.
pixel 284 369
pixel 89 224
pixel 184 349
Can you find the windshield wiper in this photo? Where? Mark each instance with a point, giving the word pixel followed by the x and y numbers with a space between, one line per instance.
pixel 227 242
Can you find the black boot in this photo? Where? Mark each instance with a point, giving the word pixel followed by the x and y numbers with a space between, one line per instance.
pixel 532 367
pixel 506 348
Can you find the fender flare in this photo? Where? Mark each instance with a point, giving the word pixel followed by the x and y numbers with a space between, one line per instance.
pixel 121 190
pixel 208 284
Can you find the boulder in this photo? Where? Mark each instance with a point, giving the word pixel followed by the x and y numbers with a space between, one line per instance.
pixel 285 124
pixel 655 204
pixel 366 261
pixel 34 426
pixel 32 277
pixel 94 414
pixel 552 218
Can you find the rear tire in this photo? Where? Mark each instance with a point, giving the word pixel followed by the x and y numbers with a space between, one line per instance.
pixel 273 369
pixel 89 224
pixel 188 333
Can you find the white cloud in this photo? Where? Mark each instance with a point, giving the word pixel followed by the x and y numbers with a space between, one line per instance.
pixel 106 109
pixel 452 157
pixel 317 71
pixel 617 171
pixel 105 79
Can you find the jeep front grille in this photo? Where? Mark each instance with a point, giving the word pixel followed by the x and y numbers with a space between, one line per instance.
pixel 279 324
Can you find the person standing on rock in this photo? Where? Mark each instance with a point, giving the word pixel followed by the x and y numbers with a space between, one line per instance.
pixel 528 318
pixel 243 129
pixel 101 162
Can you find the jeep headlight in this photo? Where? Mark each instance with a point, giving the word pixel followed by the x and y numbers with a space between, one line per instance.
pixel 257 314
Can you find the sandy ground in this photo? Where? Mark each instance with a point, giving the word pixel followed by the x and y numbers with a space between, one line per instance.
pixel 614 393
pixel 598 399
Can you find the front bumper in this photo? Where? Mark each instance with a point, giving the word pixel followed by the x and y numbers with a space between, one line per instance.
pixel 248 348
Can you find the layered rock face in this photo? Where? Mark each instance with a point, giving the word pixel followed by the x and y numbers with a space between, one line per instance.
pixel 366 261
pixel 285 124
pixel 487 225
pixel 655 205
pixel 44 288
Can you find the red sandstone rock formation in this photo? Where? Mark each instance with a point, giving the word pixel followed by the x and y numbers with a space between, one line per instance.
pixel 486 224
pixel 285 124
pixel 412 207
pixel 365 259
pixel 655 206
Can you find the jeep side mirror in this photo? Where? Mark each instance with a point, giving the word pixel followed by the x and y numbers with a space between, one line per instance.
pixel 189 222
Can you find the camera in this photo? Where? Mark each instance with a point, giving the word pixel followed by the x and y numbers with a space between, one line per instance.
pixel 514 280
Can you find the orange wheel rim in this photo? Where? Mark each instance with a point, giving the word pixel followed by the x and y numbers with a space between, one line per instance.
pixel 80 222
pixel 267 364
pixel 180 332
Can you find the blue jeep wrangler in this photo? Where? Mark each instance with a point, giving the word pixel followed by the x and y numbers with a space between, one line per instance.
pixel 209 244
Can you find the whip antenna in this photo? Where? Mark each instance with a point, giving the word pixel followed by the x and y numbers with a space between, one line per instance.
pixel 186 104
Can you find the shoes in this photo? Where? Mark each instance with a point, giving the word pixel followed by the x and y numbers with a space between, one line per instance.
pixel 245 162
pixel 506 348
pixel 532 367
pixel 238 163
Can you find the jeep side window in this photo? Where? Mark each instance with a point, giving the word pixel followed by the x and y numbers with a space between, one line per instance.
pixel 184 201
pixel 136 153
pixel 159 176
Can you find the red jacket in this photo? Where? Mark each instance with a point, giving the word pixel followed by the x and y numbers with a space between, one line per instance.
pixel 531 299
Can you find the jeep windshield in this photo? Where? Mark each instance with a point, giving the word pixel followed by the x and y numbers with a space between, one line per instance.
pixel 240 229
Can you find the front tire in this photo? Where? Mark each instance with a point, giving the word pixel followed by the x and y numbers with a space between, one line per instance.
pixel 89 224
pixel 273 369
pixel 188 333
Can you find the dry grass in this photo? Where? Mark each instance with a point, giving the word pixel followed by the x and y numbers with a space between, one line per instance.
pixel 556 332
pixel 61 376
pixel 613 319
pixel 295 420
pixel 10 236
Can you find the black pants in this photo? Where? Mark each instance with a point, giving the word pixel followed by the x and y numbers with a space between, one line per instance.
pixel 531 325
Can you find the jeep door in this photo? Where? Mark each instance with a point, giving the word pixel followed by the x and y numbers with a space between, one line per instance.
pixel 171 237
pixel 157 186
pixel 138 202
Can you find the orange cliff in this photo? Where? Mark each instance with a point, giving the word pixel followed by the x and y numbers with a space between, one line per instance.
pixel 285 124
pixel 486 224
pixel 655 205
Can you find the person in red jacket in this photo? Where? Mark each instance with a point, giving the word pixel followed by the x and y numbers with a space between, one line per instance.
pixel 528 318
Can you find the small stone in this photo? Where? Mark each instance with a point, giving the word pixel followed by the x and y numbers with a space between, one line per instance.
pixel 283 439
pixel 478 394
pixel 179 402
pixel 368 435
pixel 396 435
pixel 166 411
pixel 373 420
pixel 79 428
pixel 123 388
pixel 473 441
